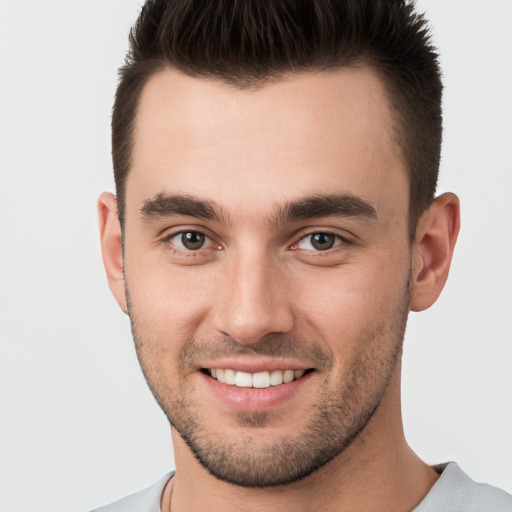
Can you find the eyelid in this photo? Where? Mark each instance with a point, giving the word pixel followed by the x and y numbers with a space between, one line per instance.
pixel 345 236
pixel 171 231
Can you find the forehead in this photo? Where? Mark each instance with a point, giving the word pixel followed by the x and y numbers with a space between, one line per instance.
pixel 310 132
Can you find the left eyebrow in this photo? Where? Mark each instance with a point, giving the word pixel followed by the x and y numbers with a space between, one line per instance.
pixel 164 205
pixel 336 205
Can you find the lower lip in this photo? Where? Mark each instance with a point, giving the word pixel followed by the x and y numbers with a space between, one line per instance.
pixel 254 399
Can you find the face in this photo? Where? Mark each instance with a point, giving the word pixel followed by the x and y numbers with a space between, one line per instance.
pixel 267 266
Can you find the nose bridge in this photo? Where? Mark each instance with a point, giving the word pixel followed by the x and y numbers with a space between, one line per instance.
pixel 253 299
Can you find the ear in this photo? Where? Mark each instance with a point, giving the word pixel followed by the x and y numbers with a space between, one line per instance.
pixel 436 235
pixel 111 247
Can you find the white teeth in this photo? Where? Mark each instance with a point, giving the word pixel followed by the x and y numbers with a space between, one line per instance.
pixel 276 378
pixel 220 376
pixel 255 380
pixel 261 380
pixel 230 376
pixel 243 380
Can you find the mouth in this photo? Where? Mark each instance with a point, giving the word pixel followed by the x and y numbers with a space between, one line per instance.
pixel 258 380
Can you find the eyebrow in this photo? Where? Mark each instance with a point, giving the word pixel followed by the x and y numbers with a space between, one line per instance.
pixel 165 205
pixel 334 205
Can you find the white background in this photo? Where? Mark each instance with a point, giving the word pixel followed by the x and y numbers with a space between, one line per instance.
pixel 78 427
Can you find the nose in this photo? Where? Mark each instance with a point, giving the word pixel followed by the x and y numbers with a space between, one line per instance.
pixel 252 299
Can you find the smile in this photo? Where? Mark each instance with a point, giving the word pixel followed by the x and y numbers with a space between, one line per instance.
pixel 258 380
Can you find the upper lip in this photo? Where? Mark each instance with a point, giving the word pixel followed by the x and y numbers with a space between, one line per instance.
pixel 256 365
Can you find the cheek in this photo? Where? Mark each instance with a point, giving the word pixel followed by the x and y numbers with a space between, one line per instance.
pixel 354 301
pixel 166 309
pixel 168 304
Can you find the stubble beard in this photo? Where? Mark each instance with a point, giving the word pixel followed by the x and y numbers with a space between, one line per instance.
pixel 337 418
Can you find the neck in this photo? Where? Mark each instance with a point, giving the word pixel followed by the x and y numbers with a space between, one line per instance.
pixel 377 472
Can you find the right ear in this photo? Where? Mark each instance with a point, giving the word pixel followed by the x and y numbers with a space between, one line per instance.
pixel 112 247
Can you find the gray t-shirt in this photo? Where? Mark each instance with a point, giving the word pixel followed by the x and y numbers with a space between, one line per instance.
pixel 453 492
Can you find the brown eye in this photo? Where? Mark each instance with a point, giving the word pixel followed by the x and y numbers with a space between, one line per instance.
pixel 322 241
pixel 192 240
pixel 319 242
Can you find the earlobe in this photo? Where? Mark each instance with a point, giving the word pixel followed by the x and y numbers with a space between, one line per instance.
pixel 111 246
pixel 436 235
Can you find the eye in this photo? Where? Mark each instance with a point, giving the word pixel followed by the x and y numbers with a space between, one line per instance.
pixel 190 240
pixel 319 241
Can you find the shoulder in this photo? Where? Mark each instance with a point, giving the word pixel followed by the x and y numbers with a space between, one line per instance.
pixel 457 492
pixel 147 500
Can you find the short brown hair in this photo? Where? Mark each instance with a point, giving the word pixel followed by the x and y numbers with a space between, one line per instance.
pixel 248 42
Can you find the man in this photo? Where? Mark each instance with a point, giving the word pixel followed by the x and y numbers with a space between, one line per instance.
pixel 276 165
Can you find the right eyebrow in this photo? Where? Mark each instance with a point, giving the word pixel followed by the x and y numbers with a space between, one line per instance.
pixel 332 205
pixel 164 205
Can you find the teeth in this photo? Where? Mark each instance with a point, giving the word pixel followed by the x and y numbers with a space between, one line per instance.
pixel 276 378
pixel 230 376
pixel 288 376
pixel 261 380
pixel 255 380
pixel 243 380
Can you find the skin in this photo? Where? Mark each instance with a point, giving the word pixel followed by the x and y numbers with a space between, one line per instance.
pixel 258 293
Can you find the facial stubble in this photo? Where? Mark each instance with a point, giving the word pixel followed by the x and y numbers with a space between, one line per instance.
pixel 337 418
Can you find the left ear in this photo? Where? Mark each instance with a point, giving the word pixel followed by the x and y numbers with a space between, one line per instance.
pixel 432 253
